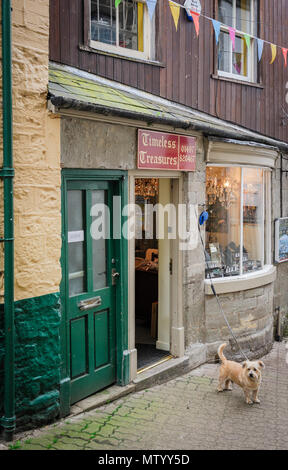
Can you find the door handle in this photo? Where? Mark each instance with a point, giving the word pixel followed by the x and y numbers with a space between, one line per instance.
pixel 115 275
pixel 90 303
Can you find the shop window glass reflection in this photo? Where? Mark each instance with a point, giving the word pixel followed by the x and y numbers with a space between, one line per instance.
pixel 235 229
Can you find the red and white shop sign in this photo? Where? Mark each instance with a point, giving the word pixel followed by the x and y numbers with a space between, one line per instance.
pixel 162 151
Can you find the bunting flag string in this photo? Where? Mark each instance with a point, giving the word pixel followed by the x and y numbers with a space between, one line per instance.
pixel 217 25
pixel 151 5
pixel 274 52
pixel 260 44
pixel 285 55
pixel 232 33
pixel 195 17
pixel 175 10
pixel 247 39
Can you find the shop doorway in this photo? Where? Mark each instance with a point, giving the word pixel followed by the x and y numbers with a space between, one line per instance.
pixel 152 272
pixel 94 284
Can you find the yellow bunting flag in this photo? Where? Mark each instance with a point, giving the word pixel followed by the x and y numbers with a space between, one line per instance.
pixel 175 10
pixel 274 52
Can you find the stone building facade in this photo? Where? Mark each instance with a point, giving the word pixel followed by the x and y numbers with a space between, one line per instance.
pixel 37 221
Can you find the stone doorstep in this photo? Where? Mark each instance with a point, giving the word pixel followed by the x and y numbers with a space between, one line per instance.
pixel 101 398
pixel 161 373
pixel 158 374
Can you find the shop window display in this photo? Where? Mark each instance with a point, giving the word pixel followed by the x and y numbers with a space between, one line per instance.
pixel 235 230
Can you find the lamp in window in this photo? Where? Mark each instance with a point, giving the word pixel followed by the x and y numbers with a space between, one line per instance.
pixel 221 191
pixel 146 187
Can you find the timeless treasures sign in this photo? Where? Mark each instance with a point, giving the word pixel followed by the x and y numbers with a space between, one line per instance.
pixel 162 151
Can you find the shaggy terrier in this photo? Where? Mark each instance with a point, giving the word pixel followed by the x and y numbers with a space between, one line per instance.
pixel 247 375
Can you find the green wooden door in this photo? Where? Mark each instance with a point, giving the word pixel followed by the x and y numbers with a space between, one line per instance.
pixel 92 277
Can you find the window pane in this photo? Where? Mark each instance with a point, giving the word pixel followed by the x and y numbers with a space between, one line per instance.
pixel 99 247
pixel 130 28
pixel 128 24
pixel 75 242
pixel 243 16
pixel 223 189
pixel 225 12
pixel 253 219
pixel 224 52
pixel 103 21
pixel 240 57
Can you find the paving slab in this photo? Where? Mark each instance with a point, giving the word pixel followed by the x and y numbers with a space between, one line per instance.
pixel 185 413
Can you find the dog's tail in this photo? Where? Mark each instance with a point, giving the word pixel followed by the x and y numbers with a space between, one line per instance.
pixel 220 352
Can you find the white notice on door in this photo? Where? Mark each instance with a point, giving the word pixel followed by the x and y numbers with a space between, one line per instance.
pixel 76 236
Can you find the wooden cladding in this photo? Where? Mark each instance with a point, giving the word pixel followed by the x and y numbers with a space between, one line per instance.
pixel 186 72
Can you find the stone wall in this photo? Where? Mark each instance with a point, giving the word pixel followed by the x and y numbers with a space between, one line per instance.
pixel 36 143
pixel 37 224
pixel 37 360
pixel 89 144
pixel 194 189
pixel 250 315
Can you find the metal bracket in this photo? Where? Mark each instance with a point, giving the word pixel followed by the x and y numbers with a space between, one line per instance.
pixel 7 173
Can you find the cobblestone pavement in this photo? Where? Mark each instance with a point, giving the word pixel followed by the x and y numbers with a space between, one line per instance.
pixel 184 414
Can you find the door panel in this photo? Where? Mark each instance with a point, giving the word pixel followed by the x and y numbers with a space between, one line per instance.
pixel 101 328
pixel 91 299
pixel 78 331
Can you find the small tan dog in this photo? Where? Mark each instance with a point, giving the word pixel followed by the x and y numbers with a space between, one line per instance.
pixel 247 375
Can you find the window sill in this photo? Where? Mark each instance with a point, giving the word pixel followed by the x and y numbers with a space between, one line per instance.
pixel 245 282
pixel 120 56
pixel 238 82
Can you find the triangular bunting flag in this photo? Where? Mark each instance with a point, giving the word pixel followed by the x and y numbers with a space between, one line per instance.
pixel 274 52
pixel 151 4
pixel 285 55
pixel 232 32
pixel 117 2
pixel 260 44
pixel 216 26
pixel 247 39
pixel 195 17
pixel 175 10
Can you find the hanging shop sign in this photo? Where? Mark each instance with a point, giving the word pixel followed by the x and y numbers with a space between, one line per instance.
pixel 162 151
pixel 281 240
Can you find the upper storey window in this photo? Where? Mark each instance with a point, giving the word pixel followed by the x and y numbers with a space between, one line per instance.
pixel 239 62
pixel 125 30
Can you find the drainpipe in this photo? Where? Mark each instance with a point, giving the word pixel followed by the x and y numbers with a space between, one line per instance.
pixel 8 421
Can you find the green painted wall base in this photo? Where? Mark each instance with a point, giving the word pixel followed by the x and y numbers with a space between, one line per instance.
pixel 37 355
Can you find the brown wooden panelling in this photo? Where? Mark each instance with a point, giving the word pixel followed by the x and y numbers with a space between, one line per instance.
pixel 189 64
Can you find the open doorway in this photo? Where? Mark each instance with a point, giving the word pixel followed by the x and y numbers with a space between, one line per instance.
pixel 150 261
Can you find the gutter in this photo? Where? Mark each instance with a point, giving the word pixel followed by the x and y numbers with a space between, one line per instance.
pixel 8 421
pixel 61 104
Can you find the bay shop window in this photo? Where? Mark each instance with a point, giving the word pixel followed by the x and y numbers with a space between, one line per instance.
pixel 237 232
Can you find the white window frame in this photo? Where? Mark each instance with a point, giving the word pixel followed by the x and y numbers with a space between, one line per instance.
pixel 251 56
pixel 266 224
pixel 118 50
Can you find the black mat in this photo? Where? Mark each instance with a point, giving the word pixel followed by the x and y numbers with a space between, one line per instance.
pixel 147 354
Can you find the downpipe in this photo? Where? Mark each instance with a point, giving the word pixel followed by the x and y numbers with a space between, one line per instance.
pixel 8 420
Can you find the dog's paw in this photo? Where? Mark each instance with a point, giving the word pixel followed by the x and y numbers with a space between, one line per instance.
pixel 249 402
pixel 257 401
pixel 219 389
